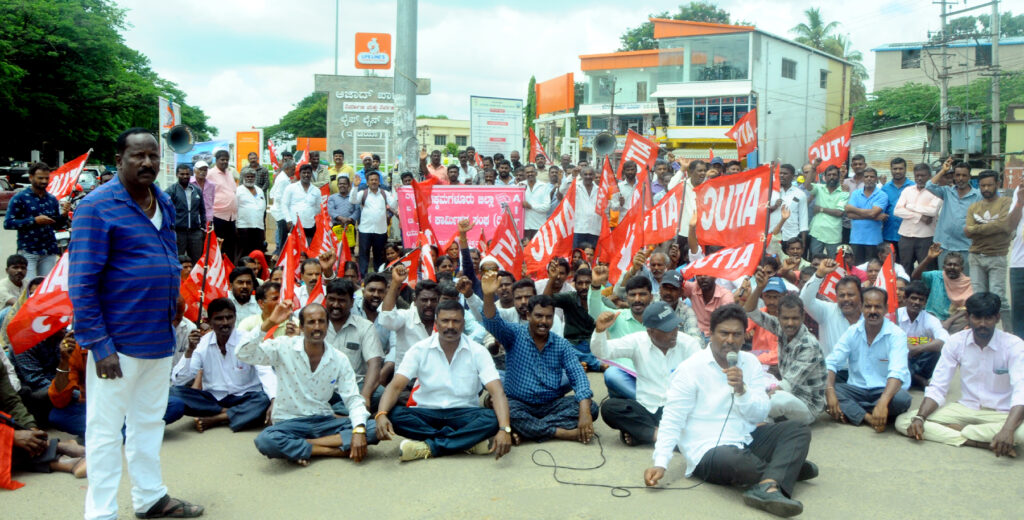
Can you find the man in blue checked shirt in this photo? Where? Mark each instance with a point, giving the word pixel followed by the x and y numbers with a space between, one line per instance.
pixel 36 214
pixel 534 361
pixel 124 279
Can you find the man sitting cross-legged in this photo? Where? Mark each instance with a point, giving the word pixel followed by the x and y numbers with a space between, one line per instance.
pixel 535 360
pixel 710 398
pixel 309 372
pixel 655 353
pixel 991 408
pixel 232 391
pixel 449 369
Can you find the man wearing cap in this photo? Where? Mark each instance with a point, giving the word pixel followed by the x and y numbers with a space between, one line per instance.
pixel 800 393
pixel 717 168
pixel 655 353
pixel 671 290
pixel 199 172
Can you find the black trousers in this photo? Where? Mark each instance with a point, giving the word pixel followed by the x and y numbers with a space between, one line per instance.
pixel 190 242
pixel 225 229
pixel 914 250
pixel 249 240
pixel 863 253
pixel 777 452
pixel 371 243
pixel 631 417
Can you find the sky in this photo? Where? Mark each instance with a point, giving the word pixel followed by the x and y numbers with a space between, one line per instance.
pixel 246 63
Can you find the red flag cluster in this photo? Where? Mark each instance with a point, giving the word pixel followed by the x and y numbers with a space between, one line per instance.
pixel 208 279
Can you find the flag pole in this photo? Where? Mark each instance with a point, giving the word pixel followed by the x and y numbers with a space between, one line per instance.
pixel 206 268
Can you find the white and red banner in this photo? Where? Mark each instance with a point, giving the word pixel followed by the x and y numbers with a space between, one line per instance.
pixel 886 279
pixel 324 239
pixel 640 150
pixel 411 261
pixel 729 264
pixel 273 156
pixel 206 283
pixel 63 179
pixel 833 147
pixel 45 312
pixel 828 285
pixel 732 209
pixel 506 246
pixel 444 206
pixel 619 248
pixel 744 132
pixel 536 149
pixel 291 260
pixel 661 222
pixel 607 187
pixel 554 238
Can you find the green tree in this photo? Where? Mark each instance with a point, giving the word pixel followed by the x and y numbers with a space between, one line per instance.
pixel 530 108
pixel 642 36
pixel 451 149
pixel 307 119
pixel 1009 25
pixel 432 117
pixel 840 46
pixel 68 82
pixel 814 32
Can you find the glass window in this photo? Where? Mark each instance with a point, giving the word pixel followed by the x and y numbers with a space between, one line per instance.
pixel 983 55
pixel 684 102
pixel 742 100
pixel 728 118
pixel 714 115
pixel 461 140
pixel 910 59
pixel 700 116
pixel 741 110
pixel 440 140
pixel 788 69
pixel 700 101
pixel 641 91
pixel 710 57
pixel 684 116
pixel 823 79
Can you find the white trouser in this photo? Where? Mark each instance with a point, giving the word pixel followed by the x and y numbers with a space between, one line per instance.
pixel 786 404
pixel 137 401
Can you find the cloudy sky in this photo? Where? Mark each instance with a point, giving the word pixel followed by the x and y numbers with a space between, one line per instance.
pixel 247 62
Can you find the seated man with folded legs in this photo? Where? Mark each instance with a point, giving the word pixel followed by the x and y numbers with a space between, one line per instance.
pixel 655 353
pixel 719 393
pixel 450 369
pixel 309 372
pixel 991 406
pixel 876 350
pixel 232 391
pixel 535 360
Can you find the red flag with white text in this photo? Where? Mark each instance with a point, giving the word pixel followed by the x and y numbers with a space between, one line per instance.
pixel 411 261
pixel 536 148
pixel 744 132
pixel 63 179
pixel 554 238
pixel 828 285
pixel 215 283
pixel 481 245
pixel 732 209
pixel 729 264
pixel 607 187
pixel 273 155
pixel 506 247
pixel 624 242
pixel 833 147
pixel 661 222
pixel 324 239
pixel 640 150
pixel 44 313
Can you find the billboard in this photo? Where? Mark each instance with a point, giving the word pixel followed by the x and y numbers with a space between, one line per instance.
pixel 450 204
pixel 169 115
pixel 373 51
pixel 200 152
pixel 556 94
pixel 495 125
pixel 246 142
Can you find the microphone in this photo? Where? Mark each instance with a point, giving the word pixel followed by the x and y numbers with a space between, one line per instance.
pixel 732 359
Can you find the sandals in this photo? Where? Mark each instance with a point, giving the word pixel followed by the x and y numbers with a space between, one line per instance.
pixel 180 510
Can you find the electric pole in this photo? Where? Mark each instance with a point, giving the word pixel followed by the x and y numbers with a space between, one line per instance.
pixel 997 115
pixel 405 87
pixel 944 86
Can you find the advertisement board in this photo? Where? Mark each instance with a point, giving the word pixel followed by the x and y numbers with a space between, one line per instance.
pixel 450 204
pixel 495 125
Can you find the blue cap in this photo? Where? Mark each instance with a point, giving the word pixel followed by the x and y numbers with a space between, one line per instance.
pixel 717 160
pixel 775 284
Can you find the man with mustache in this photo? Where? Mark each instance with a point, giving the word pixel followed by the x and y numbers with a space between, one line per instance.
pixel 189 213
pixel 225 202
pixel 828 203
pixel 710 398
pixel 949 288
pixel 834 318
pixel 535 362
pixel 367 305
pixel 876 351
pixel 35 214
pixel 696 172
pixel 309 373
pixel 450 370
pixel 991 407
pixel 353 336
pixel 925 333
pixel 242 280
pixel 988 227
pixel 11 287
pixel 252 208
pixel 232 391
pixel 410 325
pixel 956 199
pixel 621 384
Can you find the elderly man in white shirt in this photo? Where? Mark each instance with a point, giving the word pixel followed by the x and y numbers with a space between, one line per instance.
pixel 537 202
pixel 716 401
pixel 302 202
pixel 374 202
pixel 232 390
pixel 278 210
pixel 309 373
pixel 252 208
pixel 655 354
pixel 447 418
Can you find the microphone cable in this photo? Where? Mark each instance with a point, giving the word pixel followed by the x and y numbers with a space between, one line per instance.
pixel 616 490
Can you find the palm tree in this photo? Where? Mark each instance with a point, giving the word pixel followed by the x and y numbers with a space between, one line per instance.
pixel 815 32
pixel 841 47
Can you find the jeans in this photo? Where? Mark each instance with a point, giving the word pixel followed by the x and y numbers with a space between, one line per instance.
pixel 1017 294
pixel 71 419
pixel 371 243
pixel 445 431
pixel 988 274
pixel 287 439
pixel 620 384
pixel 584 356
pixel 38 265
pixel 190 242
pixel 856 402
pixel 818 246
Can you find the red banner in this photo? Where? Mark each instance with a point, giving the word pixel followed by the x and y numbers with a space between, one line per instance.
pixel 536 149
pixel 744 132
pixel 46 311
pixel 732 209
pixel 607 187
pixel 316 294
pixel 273 156
pixel 828 285
pixel 886 279
pixel 291 260
pixel 215 280
pixel 63 179
pixel 661 222
pixel 324 239
pixel 442 207
pixel 554 238
pixel 640 150
pixel 833 147
pixel 729 264
pixel 506 247
pixel 624 243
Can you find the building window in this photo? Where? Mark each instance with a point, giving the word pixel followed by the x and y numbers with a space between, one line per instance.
pixel 715 111
pixel 910 59
pixel 788 69
pixel 641 91
pixel 983 55
pixel 823 79
pixel 440 140
pixel 461 140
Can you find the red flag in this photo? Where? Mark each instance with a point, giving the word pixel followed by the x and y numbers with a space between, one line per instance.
pixel 744 132
pixel 288 283
pixel 324 239
pixel 506 247
pixel 536 149
pixel 661 222
pixel 729 264
pixel 47 310
pixel 640 150
pixel 731 209
pixel 295 244
pixel 344 254
pixel 711 154
pixel 833 147
pixel 828 285
pixel 305 158
pixel 316 294
pixel 426 268
pixel 6 446
pixel 554 238
pixel 273 156
pixel 63 179
pixel 478 160
pixel 325 193
pixel 886 279
pixel 603 248
pixel 421 191
pixel 214 284
pixel 624 242
pixel 606 188
pixel 481 244
pixel 411 261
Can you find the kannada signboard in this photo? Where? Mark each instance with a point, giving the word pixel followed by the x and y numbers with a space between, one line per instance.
pixel 360 116
pixel 495 125
pixel 450 204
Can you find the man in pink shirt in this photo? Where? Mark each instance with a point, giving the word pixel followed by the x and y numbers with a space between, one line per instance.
pixel 991 408
pixel 919 209
pixel 435 169
pixel 705 296
pixel 225 204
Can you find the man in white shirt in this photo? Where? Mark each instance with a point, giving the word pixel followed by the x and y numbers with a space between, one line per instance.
pixel 712 412
pixel 833 318
pixel 410 325
pixel 309 373
pixel 696 171
pixel 278 210
pixel 795 199
pixel 655 355
pixel 232 391
pixel 252 207
pixel 588 222
pixel 10 287
pixel 182 328
pixel 375 204
pixel 355 337
pixel 450 370
pixel 536 203
pixel 467 172
pixel 302 202
pixel 242 280
pixel 627 186
pixel 918 208
pixel 925 333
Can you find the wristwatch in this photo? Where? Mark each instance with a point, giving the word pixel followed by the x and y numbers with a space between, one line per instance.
pixel 507 429
pixel 359 429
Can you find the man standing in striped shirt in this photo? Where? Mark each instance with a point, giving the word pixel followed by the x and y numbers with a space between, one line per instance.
pixel 123 283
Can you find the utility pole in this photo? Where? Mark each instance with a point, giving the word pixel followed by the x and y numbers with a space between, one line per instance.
pixel 405 87
pixel 997 115
pixel 944 86
pixel 336 31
